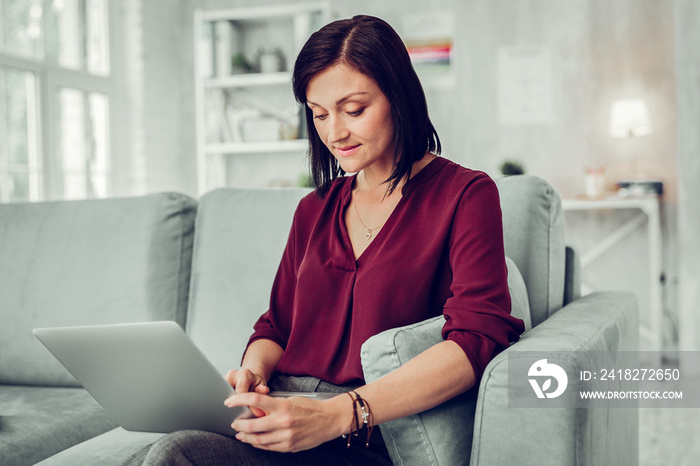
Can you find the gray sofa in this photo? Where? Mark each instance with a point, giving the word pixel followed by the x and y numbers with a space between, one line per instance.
pixel 208 265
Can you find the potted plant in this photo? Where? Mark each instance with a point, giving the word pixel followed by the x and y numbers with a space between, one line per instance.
pixel 511 167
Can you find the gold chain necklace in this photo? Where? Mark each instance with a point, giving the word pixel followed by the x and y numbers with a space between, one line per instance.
pixel 368 235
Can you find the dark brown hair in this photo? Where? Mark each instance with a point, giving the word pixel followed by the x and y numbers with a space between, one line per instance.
pixel 370 46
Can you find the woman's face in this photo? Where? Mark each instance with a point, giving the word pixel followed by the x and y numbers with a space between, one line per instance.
pixel 353 118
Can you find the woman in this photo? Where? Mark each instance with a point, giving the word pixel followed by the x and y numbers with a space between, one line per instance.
pixel 410 236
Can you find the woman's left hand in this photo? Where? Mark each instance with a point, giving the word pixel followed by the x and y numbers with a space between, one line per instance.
pixel 290 424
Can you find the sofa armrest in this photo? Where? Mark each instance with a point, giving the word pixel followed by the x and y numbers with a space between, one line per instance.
pixel 604 321
pixel 442 435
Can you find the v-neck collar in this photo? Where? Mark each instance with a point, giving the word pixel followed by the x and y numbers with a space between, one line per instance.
pixel 421 177
pixel 346 199
pixel 425 174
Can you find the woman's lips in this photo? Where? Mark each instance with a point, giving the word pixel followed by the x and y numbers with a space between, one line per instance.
pixel 347 150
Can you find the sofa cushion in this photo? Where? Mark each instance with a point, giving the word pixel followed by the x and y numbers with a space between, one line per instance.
pixel 442 435
pixel 239 240
pixel 37 422
pixel 118 446
pixel 533 227
pixel 88 262
pixel 519 302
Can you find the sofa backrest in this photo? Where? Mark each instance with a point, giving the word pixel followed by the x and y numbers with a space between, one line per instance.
pixel 239 240
pixel 88 263
pixel 241 233
pixel 533 226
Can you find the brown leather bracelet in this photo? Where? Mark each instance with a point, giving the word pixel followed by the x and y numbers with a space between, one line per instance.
pixel 367 417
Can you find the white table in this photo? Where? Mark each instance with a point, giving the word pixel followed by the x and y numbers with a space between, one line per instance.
pixel 651 331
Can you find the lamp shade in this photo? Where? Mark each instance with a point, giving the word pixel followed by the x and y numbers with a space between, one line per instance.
pixel 628 118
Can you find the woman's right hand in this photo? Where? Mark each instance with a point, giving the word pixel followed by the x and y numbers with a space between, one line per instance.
pixel 244 380
pixel 258 366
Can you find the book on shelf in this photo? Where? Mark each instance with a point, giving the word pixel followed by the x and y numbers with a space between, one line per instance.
pixel 206 51
pixel 222 48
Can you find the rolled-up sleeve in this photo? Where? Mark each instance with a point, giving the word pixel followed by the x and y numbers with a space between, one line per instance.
pixel 477 313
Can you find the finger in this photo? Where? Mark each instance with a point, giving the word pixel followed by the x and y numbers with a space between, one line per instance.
pixel 262 389
pixel 256 425
pixel 244 382
pixel 271 441
pixel 252 399
pixel 260 405
pixel 242 386
pixel 263 431
pixel 230 377
pixel 257 412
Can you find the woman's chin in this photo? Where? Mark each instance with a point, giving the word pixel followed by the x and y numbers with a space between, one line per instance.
pixel 348 166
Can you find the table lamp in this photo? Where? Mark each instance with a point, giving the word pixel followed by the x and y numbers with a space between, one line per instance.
pixel 629 118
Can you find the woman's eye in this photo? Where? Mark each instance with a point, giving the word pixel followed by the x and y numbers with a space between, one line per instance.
pixel 320 117
pixel 356 113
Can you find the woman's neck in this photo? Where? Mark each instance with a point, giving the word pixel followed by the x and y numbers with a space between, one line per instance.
pixel 372 180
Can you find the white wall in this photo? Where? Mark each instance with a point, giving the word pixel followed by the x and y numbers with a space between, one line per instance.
pixel 688 69
pixel 598 51
pixel 154 75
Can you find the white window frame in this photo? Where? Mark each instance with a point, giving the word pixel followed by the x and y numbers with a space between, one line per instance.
pixel 50 78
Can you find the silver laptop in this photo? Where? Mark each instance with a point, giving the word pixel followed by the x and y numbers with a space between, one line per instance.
pixel 149 376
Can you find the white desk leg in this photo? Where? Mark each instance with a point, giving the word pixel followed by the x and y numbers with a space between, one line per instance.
pixel 655 305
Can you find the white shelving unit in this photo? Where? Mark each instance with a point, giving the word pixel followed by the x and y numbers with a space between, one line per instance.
pixel 295 145
pixel 244 101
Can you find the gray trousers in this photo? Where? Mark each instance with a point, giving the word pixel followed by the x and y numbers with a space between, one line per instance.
pixel 192 447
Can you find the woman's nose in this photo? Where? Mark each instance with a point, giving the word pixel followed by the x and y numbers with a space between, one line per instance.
pixel 337 130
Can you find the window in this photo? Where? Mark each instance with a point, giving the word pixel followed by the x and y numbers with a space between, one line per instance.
pixel 83 144
pixel 55 89
pixel 19 164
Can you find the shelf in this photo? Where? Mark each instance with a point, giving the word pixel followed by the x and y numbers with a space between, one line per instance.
pixel 263 13
pixel 249 80
pixel 296 145
pixel 224 99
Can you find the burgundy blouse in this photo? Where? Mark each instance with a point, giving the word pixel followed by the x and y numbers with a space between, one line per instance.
pixel 440 252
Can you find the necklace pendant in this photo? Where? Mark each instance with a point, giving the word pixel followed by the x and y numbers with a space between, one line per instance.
pixel 368 235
